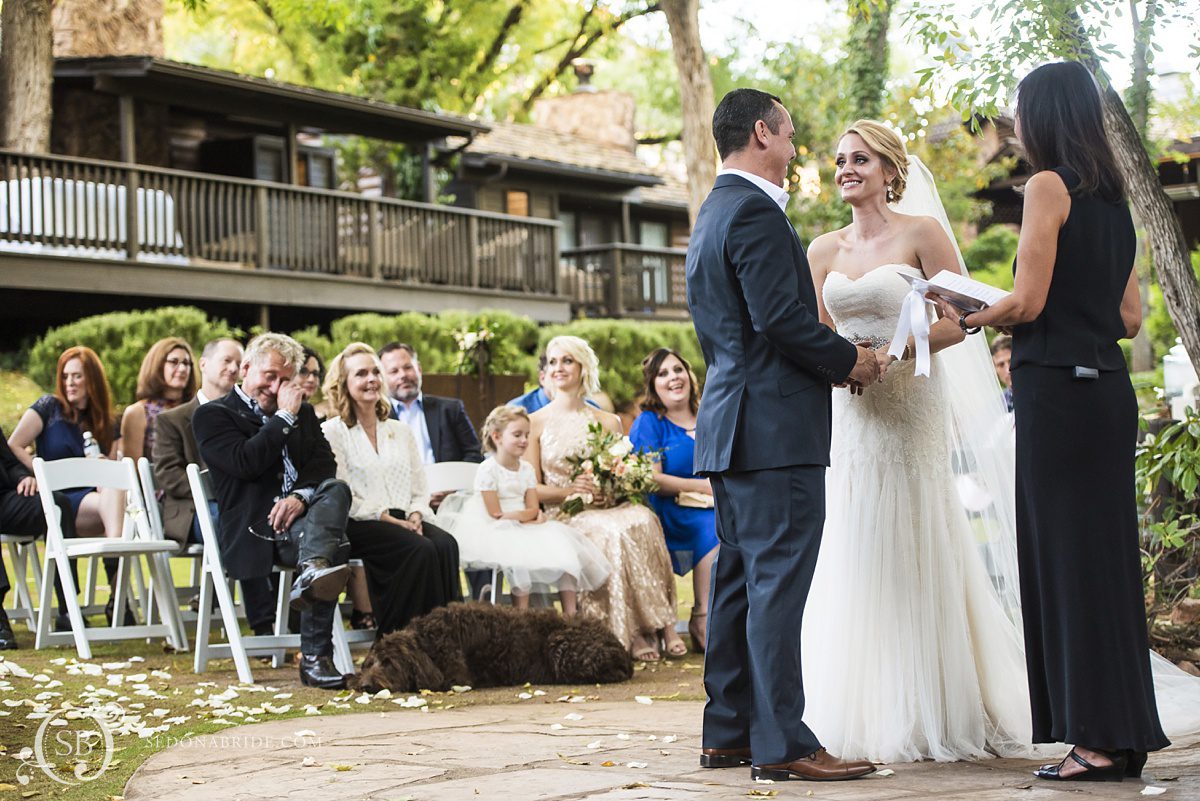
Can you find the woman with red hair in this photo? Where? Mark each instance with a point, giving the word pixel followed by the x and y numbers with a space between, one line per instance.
pixel 56 425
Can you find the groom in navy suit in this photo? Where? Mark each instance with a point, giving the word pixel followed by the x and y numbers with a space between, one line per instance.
pixel 762 437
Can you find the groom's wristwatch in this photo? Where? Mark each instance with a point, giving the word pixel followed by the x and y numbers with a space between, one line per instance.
pixel 962 323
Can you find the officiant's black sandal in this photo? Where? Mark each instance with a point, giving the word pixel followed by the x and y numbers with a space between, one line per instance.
pixel 1091 773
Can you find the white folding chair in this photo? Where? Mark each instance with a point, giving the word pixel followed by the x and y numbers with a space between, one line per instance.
pixel 22 552
pixel 192 551
pixel 136 541
pixel 456 477
pixel 240 647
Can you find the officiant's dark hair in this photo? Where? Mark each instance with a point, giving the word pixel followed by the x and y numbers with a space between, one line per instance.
pixel 1062 125
pixel 736 114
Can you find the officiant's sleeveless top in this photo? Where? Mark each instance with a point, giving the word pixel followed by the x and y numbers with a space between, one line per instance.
pixel 1081 322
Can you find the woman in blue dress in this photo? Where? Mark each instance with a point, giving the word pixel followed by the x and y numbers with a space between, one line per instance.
pixel 684 500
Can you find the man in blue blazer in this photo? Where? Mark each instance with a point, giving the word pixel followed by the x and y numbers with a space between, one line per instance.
pixel 762 437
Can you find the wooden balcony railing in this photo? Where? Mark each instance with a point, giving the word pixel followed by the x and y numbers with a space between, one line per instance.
pixel 620 280
pixel 57 205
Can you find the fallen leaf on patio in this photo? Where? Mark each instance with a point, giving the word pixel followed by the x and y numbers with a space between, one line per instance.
pixel 308 762
pixel 198 781
pixel 634 786
pixel 885 772
pixel 643 699
pixel 342 768
pixel 635 764
pixel 1024 786
pixel 1168 778
pixel 608 764
pixel 762 793
pixel 1154 790
pixel 571 761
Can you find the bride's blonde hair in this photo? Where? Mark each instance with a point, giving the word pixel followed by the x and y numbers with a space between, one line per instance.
pixel 890 147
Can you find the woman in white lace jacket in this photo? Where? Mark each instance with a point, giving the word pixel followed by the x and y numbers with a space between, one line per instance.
pixel 412 565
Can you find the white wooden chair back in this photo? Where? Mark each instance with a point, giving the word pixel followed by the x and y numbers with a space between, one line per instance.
pixel 149 499
pixel 62 474
pixel 450 476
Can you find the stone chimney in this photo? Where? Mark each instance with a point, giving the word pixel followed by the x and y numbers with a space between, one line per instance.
pixel 108 28
pixel 589 113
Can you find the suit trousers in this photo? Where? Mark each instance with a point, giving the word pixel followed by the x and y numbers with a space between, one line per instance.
pixel 769 523
pixel 22 515
pixel 320 533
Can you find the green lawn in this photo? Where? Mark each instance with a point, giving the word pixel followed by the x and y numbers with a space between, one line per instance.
pixel 17 392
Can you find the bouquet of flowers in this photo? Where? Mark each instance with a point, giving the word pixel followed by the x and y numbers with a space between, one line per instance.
pixel 620 473
pixel 474 350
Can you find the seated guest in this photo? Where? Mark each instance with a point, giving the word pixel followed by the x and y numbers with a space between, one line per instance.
pixel 57 425
pixel 280 500
pixel 165 381
pixel 1001 356
pixel 444 432
pixel 312 374
pixel 175 448
pixel 21 515
pixel 668 425
pixel 411 564
pixel 537 398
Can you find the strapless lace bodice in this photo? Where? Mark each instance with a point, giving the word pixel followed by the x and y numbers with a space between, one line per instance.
pixel 867 308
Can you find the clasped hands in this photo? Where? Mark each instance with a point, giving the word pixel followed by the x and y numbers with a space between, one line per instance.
pixel 869 368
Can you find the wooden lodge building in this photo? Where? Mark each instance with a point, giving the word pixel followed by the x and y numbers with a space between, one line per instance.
pixel 235 211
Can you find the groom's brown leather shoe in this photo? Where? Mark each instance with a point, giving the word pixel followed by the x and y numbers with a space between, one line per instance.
pixel 820 766
pixel 724 757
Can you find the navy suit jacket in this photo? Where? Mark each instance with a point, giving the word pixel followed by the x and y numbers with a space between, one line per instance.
pixel 451 434
pixel 245 460
pixel 770 359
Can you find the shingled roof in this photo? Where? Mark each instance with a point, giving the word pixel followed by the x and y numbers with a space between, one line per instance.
pixel 544 150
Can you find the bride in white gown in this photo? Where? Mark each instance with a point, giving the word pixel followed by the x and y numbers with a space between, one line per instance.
pixel 918 549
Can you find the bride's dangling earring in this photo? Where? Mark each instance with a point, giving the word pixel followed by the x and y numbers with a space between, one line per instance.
pixel 890 194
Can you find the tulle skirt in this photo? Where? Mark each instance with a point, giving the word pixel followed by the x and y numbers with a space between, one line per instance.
pixel 533 556
pixel 907 651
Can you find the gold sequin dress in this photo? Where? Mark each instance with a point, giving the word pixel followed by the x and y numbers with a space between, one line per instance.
pixel 640 593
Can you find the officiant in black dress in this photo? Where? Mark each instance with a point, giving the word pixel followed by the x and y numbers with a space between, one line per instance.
pixel 1075 296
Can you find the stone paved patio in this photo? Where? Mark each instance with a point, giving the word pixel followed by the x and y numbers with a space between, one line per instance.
pixel 539 750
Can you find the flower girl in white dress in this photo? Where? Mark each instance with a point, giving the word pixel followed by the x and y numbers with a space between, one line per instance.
pixel 502 527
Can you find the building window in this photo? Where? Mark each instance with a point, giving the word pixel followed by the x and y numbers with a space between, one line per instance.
pixel 516 203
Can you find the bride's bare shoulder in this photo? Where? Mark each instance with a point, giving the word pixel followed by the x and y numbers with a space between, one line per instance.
pixel 824 249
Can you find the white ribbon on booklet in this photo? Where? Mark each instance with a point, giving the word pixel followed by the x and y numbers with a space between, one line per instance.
pixel 914 322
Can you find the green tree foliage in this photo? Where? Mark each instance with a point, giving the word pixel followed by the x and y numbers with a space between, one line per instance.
pixel 990 255
pixel 121 340
pixel 867 54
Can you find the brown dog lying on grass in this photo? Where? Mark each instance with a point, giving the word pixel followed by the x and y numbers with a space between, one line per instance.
pixel 493 646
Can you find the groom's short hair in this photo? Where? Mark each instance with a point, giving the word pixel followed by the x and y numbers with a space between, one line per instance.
pixel 736 114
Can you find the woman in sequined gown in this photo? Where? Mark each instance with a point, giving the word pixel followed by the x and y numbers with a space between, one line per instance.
pixel 638 601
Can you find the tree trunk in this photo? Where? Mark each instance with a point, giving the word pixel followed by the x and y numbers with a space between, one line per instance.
pixel 696 94
pixel 867 56
pixel 1138 100
pixel 1153 208
pixel 26 75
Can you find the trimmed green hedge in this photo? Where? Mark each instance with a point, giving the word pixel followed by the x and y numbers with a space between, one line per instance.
pixel 121 339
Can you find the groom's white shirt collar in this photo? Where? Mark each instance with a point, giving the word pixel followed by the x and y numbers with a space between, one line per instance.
pixel 774 191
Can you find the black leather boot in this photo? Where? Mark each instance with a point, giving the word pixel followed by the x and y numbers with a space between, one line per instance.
pixel 318 581
pixel 319 671
pixel 8 640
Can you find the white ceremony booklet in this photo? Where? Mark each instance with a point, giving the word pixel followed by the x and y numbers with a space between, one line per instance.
pixel 965 293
